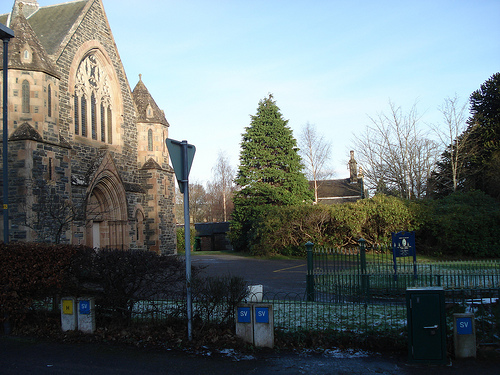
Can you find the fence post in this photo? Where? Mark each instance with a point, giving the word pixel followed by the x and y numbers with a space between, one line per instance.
pixel 310 274
pixel 364 276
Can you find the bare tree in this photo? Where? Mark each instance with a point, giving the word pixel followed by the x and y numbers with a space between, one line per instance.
pixel 222 185
pixel 316 153
pixel 197 202
pixel 453 138
pixel 396 154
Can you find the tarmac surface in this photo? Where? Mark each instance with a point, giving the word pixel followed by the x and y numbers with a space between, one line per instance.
pixel 24 355
pixel 276 276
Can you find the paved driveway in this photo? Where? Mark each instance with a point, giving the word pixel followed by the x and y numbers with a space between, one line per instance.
pixel 276 276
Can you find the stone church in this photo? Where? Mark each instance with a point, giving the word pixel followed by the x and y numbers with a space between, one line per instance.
pixel 87 157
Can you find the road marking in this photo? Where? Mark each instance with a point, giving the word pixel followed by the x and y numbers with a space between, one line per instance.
pixel 289 268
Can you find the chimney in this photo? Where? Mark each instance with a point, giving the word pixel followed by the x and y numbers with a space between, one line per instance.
pixel 353 169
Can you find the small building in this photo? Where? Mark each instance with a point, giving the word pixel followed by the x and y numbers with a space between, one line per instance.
pixel 212 236
pixel 342 190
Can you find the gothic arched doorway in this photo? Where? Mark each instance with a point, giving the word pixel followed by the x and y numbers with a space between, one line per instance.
pixel 107 212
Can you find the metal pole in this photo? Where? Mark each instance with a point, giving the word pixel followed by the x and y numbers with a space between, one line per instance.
pixel 5 144
pixel 187 238
pixel 310 272
pixel 364 275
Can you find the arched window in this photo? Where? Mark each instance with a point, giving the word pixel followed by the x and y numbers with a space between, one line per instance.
pixel 26 96
pixel 93 116
pixel 103 123
pixel 110 126
pixel 150 140
pixel 139 228
pixel 77 123
pixel 49 101
pixel 84 116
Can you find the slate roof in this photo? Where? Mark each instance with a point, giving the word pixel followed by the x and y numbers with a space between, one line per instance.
pixel 52 23
pixel 208 229
pixel 338 191
pixel 25 132
pixel 143 99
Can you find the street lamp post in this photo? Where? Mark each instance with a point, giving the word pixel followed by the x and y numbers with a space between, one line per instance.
pixel 5 34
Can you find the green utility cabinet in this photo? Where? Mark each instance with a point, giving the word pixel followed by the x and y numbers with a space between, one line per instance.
pixel 426 325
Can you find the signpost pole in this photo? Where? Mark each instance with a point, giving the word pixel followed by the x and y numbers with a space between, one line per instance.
pixel 182 154
pixel 187 237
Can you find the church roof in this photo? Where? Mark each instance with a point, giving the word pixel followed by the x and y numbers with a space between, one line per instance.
pixel 50 33
pixel 24 35
pixel 337 191
pixel 25 132
pixel 144 101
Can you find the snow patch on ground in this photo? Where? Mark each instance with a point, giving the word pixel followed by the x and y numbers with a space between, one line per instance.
pixel 236 356
pixel 339 353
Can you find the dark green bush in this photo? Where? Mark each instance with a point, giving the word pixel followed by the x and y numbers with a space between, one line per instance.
pixel 286 229
pixel 463 224
pixel 181 243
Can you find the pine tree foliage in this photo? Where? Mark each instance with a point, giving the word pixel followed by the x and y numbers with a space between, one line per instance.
pixel 270 170
pixel 480 158
pixel 270 173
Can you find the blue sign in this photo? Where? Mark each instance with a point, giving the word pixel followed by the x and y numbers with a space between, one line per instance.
pixel 262 314
pixel 403 244
pixel 464 326
pixel 84 307
pixel 244 315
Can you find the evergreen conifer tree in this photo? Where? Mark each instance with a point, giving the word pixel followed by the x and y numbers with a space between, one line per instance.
pixel 270 172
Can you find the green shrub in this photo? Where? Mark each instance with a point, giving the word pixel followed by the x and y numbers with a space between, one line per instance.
pixel 464 224
pixel 285 229
pixel 181 247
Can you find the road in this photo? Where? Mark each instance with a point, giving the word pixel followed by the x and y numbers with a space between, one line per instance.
pixel 276 276
pixel 23 356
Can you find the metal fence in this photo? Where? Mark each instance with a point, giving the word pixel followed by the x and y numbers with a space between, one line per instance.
pixel 357 290
pixel 361 274
pixel 294 313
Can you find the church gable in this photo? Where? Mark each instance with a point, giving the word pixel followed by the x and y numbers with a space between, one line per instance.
pixel 99 107
pixel 25 50
pixel 147 109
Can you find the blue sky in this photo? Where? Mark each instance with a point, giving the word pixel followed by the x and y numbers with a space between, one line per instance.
pixel 330 63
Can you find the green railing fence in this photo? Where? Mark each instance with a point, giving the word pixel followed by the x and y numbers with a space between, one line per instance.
pixel 370 273
pixel 352 290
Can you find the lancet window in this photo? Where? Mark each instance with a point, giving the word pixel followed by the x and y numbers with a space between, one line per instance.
pixel 93 112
